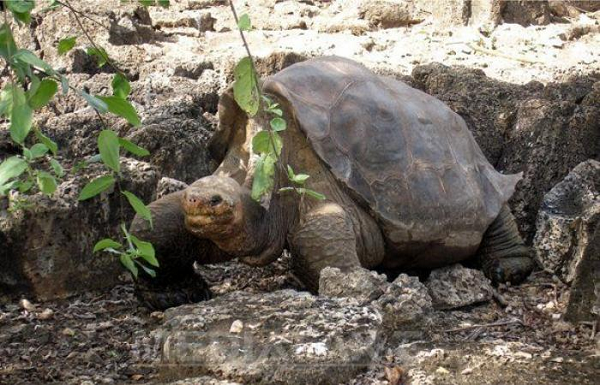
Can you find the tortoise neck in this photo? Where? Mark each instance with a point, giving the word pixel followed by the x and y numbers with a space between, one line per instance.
pixel 262 235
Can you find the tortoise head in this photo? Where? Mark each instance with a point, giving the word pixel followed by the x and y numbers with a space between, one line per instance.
pixel 214 207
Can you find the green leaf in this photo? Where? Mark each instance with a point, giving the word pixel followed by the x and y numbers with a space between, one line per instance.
pixel 278 124
pixel 263 176
pixel 164 3
pixel 20 6
pixel 30 58
pixel 245 88
pixel 96 186
pixel 27 154
pixel 46 183
pixel 11 168
pixel 57 168
pixel 276 111
pixel 64 84
pixel 244 23
pixel 122 108
pixel 44 93
pixel 20 117
pixel 106 243
pixel 260 142
pixel 148 270
pixel 286 189
pixel 24 186
pixel 21 9
pixel 6 97
pixel 311 193
pixel 120 86
pixel 108 144
pixel 140 208
pixel 66 44
pixel 100 55
pixel 5 188
pixel 147 3
pixel 290 171
pixel 300 178
pixel 33 85
pixel 22 17
pixel 52 146
pixel 267 101
pixel 128 263
pixel 7 42
pixel 95 102
pixel 133 148
pixel 38 150
pixel 263 143
pixel 145 250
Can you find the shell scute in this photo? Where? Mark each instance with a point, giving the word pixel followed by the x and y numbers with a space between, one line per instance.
pixel 404 154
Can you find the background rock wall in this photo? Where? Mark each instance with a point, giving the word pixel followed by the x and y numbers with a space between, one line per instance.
pixel 530 95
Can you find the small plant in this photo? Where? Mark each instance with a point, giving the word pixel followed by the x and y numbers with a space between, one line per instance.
pixel 33 83
pixel 267 144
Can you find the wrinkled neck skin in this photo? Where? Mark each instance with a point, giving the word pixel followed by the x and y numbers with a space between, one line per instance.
pixel 261 236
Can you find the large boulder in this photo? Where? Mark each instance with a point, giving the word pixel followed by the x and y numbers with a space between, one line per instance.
pixel 361 284
pixel 455 286
pixel 47 248
pixel 567 241
pixel 404 305
pixel 284 337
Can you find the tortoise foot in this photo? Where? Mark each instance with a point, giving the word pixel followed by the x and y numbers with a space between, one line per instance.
pixel 512 269
pixel 190 290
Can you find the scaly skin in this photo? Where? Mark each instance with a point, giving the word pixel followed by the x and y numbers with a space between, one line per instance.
pixel 176 250
pixel 215 219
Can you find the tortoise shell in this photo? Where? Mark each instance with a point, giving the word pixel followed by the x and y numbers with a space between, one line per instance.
pixel 404 154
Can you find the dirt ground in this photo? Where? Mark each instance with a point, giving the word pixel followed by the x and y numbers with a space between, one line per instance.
pixel 95 337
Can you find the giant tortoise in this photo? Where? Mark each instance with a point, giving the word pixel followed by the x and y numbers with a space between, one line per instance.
pixel 407 187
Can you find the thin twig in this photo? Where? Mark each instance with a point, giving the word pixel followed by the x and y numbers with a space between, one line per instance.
pixel 76 90
pixel 259 93
pixel 92 42
pixel 499 323
pixel 503 55
pixel 499 298
pixel 237 22
pixel 83 15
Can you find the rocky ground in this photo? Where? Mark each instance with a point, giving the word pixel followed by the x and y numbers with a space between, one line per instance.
pixel 529 93
pixel 102 337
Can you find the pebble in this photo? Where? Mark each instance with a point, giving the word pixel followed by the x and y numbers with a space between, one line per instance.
pixel 26 305
pixel 158 315
pixel 442 370
pixel 236 327
pixel 524 355
pixel 45 315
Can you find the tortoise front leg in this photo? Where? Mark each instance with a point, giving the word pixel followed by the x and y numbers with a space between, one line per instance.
pixel 176 250
pixel 324 237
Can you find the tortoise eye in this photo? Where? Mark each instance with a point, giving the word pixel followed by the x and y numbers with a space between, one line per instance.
pixel 215 200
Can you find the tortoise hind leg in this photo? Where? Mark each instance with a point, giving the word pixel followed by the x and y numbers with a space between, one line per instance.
pixel 176 250
pixel 503 255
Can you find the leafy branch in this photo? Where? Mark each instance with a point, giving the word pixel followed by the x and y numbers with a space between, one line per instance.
pixel 268 143
pixel 33 84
